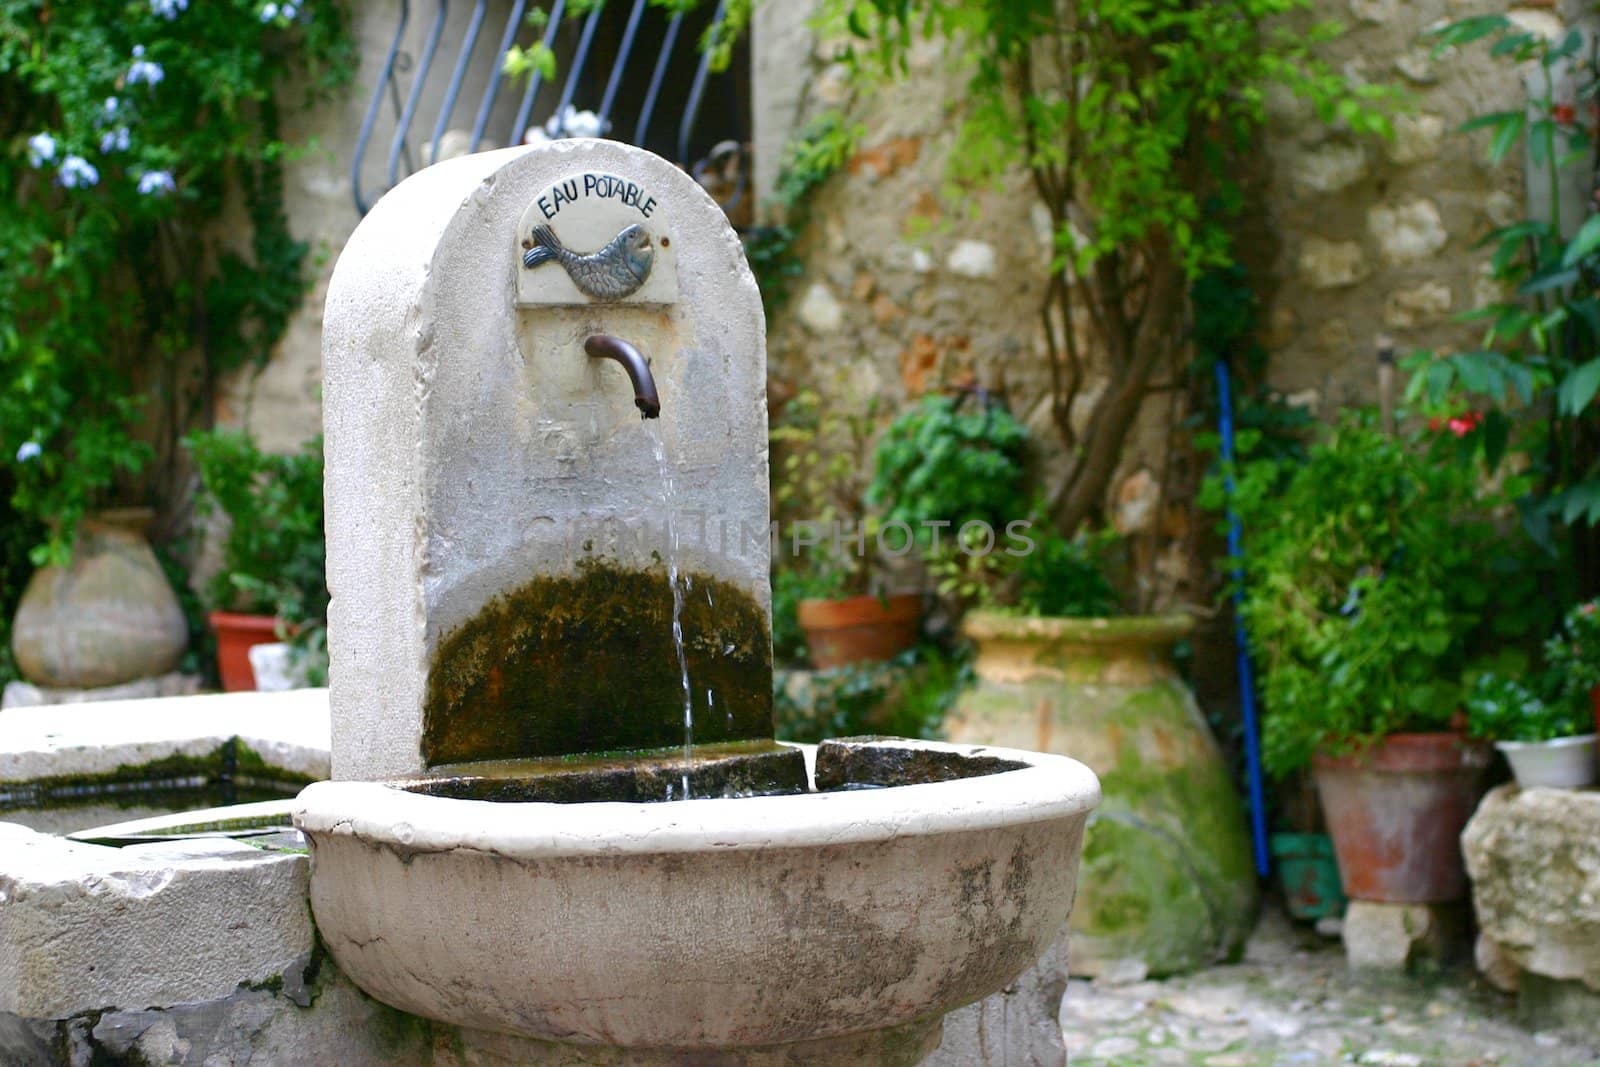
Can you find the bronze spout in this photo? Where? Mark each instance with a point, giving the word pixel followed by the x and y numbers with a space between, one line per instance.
pixel 604 346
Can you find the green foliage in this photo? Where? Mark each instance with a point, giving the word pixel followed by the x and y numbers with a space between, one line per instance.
pixel 944 460
pixel 17 537
pixel 1063 576
pixel 123 126
pixel 1531 390
pixel 953 474
pixel 717 41
pixel 907 697
pixel 1365 575
pixel 1573 655
pixel 820 478
pixel 815 155
pixel 274 556
pixel 790 585
pixel 1116 100
pixel 1035 570
pixel 1226 326
pixel 1500 709
pixel 1131 117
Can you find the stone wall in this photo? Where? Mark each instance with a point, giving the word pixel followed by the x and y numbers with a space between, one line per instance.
pixel 282 404
pixel 1347 238
pixel 1350 238
pixel 1374 238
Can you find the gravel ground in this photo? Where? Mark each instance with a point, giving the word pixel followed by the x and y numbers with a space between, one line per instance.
pixel 1292 1002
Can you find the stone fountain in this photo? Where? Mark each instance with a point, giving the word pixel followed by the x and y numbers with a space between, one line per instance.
pixel 557 810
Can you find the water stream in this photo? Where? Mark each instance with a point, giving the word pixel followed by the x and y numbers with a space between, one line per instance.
pixel 671 528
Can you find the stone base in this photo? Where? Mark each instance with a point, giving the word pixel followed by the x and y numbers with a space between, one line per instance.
pixel 319 1016
pixel 1398 937
pixel 1020 1026
pixel 1552 1004
pixel 1534 858
pixel 24 695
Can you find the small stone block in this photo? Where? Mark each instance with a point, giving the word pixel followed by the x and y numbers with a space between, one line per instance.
pixel 1394 937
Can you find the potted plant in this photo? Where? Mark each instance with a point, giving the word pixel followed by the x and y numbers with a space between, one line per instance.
pixel 1365 577
pixel 1168 875
pixel 1547 742
pixel 271 585
pixel 850 604
pixel 1573 656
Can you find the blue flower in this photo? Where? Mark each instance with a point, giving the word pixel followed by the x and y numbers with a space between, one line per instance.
pixel 269 12
pixel 142 70
pixel 168 9
pixel 157 183
pixel 41 149
pixel 29 450
pixel 114 140
pixel 77 172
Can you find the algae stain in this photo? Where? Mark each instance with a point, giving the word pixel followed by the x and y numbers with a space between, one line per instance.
pixel 585 663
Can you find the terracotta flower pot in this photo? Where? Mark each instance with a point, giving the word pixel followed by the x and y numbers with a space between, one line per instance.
pixel 236 635
pixel 1396 812
pixel 859 629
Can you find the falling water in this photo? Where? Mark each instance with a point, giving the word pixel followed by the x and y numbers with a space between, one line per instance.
pixel 677 599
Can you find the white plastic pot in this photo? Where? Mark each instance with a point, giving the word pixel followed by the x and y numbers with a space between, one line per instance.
pixel 1563 763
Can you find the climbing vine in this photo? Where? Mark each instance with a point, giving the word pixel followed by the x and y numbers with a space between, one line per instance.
pixel 129 129
pixel 1130 117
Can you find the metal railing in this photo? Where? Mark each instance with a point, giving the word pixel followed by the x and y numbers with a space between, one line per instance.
pixel 645 23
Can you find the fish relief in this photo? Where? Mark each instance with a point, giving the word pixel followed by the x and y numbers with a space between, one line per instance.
pixel 595 238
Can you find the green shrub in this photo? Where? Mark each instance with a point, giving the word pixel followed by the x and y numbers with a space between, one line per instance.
pixel 128 130
pixel 1365 573
pixel 947 462
pixel 275 553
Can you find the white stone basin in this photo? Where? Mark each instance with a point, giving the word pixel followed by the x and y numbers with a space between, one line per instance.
pixel 834 927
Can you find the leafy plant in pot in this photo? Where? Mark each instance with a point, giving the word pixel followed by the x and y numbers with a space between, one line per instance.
pixel 271 585
pixel 1365 579
pixel 849 604
pixel 1547 742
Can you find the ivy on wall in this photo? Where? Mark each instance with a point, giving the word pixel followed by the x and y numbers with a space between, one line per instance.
pixel 1130 117
pixel 129 129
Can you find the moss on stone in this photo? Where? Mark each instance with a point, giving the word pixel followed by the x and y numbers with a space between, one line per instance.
pixel 1167 874
pixel 174 780
pixel 586 663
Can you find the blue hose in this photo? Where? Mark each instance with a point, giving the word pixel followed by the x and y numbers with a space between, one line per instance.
pixel 1247 684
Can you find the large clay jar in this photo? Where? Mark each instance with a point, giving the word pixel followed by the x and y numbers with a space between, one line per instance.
pixel 106 618
pixel 1167 878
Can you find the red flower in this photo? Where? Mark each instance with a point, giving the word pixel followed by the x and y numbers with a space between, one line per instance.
pixel 1564 114
pixel 1464 423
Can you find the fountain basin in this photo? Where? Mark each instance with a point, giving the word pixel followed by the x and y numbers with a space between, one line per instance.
pixel 921 877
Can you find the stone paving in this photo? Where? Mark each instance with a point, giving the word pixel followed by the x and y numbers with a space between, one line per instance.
pixel 1292 1002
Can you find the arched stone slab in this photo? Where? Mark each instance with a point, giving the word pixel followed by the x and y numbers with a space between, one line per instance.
pixel 474 451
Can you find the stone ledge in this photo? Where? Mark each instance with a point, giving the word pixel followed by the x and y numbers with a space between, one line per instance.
pixel 288 731
pixel 85 928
